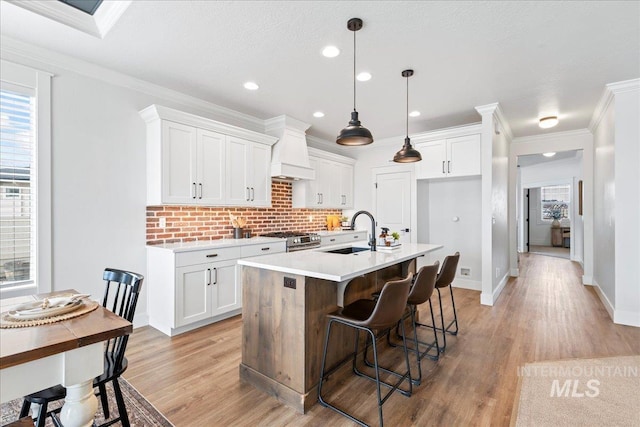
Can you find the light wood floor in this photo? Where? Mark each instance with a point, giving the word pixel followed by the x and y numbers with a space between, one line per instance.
pixel 545 314
pixel 550 251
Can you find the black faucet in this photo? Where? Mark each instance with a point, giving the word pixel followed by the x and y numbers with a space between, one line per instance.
pixel 372 242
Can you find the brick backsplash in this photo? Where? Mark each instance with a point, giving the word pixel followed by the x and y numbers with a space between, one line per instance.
pixel 191 223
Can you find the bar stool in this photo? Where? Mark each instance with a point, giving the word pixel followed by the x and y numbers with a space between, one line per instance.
pixel 445 278
pixel 367 315
pixel 420 293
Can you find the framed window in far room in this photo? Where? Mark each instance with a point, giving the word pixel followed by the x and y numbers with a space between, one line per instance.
pixel 555 201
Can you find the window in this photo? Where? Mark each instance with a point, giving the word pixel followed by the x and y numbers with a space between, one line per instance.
pixel 555 201
pixel 25 177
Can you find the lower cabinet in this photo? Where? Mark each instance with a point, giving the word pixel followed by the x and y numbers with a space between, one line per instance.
pixel 190 289
pixel 206 290
pixel 341 237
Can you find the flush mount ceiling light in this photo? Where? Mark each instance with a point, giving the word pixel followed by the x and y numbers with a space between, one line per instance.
pixel 354 133
pixel 330 51
pixel 364 77
pixel 414 114
pixel 251 86
pixel 407 154
pixel 549 154
pixel 548 122
pixel 318 114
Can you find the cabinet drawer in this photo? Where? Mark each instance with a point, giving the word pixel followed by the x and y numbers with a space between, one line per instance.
pixel 267 248
pixel 204 256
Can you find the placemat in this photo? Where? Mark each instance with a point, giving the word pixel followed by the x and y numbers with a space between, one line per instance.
pixel 86 307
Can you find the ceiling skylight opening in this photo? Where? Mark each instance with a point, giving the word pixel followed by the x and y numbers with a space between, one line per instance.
pixel 364 76
pixel 330 51
pixel 318 114
pixel 414 113
pixel 251 86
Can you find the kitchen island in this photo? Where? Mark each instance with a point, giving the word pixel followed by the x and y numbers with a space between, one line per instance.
pixel 286 298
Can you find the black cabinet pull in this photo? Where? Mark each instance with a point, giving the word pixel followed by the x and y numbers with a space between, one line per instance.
pixel 212 255
pixel 265 249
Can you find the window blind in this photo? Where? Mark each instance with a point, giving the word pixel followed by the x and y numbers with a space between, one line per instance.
pixel 17 185
pixel 555 201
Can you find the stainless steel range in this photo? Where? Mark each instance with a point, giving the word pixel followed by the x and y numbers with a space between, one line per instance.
pixel 297 241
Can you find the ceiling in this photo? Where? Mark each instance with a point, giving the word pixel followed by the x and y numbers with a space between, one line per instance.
pixel 536 159
pixel 534 58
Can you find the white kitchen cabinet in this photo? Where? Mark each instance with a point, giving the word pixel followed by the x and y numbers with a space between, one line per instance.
pixel 450 157
pixel 249 179
pixel 196 161
pixel 193 288
pixel 193 165
pixel 333 186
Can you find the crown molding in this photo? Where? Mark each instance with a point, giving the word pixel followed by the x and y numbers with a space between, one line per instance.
pixel 97 25
pixel 610 91
pixel 283 121
pixel 27 54
pixel 552 136
pixel 495 110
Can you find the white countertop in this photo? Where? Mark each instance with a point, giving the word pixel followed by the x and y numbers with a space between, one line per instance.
pixel 337 267
pixel 335 232
pixel 214 244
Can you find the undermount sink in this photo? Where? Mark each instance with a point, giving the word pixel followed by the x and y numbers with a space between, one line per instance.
pixel 346 251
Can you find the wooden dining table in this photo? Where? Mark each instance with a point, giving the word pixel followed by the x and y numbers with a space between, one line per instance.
pixel 69 352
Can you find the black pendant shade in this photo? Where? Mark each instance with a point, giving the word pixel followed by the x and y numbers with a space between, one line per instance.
pixel 407 153
pixel 354 133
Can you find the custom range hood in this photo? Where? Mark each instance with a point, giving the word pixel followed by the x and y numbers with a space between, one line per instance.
pixel 289 156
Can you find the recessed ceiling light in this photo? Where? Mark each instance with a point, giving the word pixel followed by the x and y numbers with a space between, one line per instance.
pixel 330 51
pixel 548 122
pixel 550 154
pixel 318 114
pixel 364 76
pixel 251 86
pixel 414 114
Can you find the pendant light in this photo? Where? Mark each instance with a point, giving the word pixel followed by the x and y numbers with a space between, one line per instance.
pixel 354 133
pixel 407 154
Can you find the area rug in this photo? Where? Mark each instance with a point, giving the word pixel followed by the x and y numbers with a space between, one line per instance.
pixel 579 392
pixel 141 412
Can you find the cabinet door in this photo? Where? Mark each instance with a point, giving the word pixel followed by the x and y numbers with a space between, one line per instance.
pixel 260 175
pixel 225 286
pixel 238 191
pixel 463 156
pixel 193 294
pixel 433 163
pixel 346 185
pixel 178 163
pixel 326 182
pixel 211 167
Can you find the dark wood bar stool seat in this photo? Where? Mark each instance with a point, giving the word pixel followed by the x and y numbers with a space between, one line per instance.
pixel 369 315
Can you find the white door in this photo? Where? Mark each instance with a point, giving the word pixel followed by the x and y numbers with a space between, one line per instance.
pixel 260 181
pixel 463 157
pixel 193 294
pixel 433 163
pixel 238 189
pixel 226 287
pixel 346 184
pixel 393 202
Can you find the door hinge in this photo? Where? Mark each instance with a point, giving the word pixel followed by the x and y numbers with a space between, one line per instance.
pixel 376 184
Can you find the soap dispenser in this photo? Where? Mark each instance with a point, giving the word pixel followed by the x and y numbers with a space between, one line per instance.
pixel 383 236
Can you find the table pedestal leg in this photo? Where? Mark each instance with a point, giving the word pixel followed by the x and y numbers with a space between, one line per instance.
pixel 80 405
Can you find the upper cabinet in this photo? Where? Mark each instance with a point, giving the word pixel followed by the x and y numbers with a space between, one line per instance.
pixel 192 160
pixel 249 182
pixel 449 157
pixel 333 185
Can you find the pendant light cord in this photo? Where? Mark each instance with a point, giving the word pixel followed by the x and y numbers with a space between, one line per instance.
pixel 354 71
pixel 407 118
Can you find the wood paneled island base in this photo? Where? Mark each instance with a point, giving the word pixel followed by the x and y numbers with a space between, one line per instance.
pixel 283 328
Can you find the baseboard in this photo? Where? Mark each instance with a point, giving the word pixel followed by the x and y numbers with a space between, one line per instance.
pixel 629 318
pixel 490 299
pixel 514 272
pixel 140 320
pixel 587 280
pixel 474 285
pixel 605 301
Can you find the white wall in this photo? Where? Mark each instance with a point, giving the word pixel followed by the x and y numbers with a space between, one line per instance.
pixel 617 201
pixel 440 201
